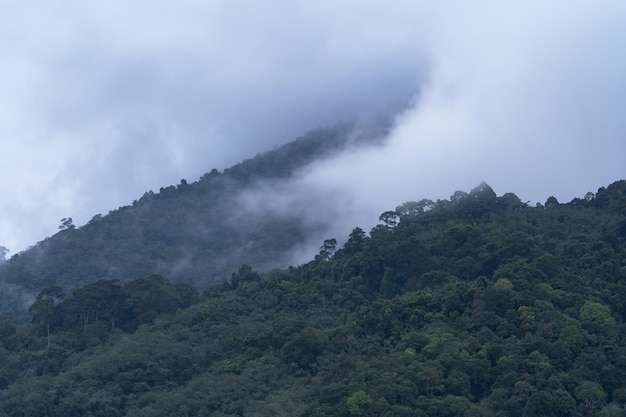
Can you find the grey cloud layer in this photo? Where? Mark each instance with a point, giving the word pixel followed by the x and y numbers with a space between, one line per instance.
pixel 103 101
pixel 531 101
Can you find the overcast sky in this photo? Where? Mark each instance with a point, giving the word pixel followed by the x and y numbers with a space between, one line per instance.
pixel 102 101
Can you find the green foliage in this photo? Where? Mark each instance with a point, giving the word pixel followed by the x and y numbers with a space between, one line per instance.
pixel 596 313
pixel 591 394
pixel 475 306
pixel 357 401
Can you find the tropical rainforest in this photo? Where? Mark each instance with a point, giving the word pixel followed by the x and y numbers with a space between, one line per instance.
pixel 195 232
pixel 476 305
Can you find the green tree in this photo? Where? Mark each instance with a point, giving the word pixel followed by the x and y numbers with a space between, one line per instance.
pixel 83 302
pixel 358 402
pixel 596 313
pixel 388 286
pixel 146 298
pixel 110 300
pixel 244 276
pixel 356 241
pixel 67 224
pixel 327 250
pixel 551 202
pixel 591 394
pixel 304 347
pixel 389 218
pixel 563 404
pixel 44 307
pixel 539 404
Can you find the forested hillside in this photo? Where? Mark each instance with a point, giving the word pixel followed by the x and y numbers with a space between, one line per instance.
pixel 195 232
pixel 479 305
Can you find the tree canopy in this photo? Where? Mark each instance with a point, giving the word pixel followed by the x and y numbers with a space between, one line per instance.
pixel 479 305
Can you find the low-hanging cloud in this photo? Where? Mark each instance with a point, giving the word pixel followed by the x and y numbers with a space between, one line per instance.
pixel 527 99
pixel 108 100
pixel 103 101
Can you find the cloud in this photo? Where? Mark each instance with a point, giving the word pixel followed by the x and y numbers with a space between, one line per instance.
pixel 104 101
pixel 528 99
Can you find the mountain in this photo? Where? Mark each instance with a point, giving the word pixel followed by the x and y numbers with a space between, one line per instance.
pixel 479 305
pixel 195 232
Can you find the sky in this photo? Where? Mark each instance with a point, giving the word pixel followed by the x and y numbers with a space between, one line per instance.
pixel 103 101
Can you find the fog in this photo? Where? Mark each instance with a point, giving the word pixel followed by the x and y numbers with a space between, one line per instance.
pixel 102 102
pixel 530 101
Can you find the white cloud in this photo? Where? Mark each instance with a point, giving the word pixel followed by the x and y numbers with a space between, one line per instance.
pixel 528 99
pixel 102 101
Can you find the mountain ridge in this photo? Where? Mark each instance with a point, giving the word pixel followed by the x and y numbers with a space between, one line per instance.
pixel 194 232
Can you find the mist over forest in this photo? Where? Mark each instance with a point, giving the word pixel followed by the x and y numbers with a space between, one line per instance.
pixel 261 277
pixel 474 305
pixel 256 212
pixel 313 209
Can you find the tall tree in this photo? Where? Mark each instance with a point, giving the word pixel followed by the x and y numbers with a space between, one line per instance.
pixel 44 307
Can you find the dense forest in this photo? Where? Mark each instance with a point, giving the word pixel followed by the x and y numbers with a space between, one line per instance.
pixel 194 232
pixel 479 305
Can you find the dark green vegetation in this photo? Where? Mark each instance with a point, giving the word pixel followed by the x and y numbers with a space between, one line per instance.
pixel 197 233
pixel 475 306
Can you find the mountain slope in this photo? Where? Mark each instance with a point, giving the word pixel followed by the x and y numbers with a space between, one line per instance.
pixel 475 306
pixel 196 233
